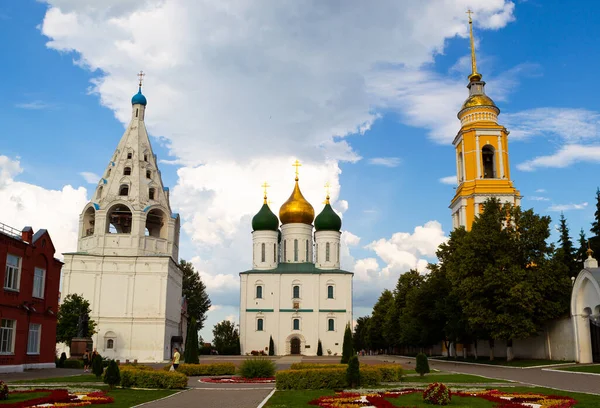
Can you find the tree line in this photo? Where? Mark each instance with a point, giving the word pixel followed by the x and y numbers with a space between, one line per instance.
pixel 501 280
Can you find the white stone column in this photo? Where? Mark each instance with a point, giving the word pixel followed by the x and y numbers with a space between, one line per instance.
pixel 464 169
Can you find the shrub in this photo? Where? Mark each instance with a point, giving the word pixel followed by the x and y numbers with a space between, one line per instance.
pixel 437 394
pixel 62 359
pixel 319 349
pixel 347 347
pixel 389 372
pixel 97 366
pixel 316 366
pixel 271 346
pixel 422 364
pixel 257 368
pixel 131 377
pixel 135 366
pixel 190 355
pixel 353 372
pixel 72 364
pixel 113 375
pixel 3 390
pixel 193 370
pixel 370 376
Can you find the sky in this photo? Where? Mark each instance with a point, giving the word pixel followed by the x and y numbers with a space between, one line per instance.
pixel 364 94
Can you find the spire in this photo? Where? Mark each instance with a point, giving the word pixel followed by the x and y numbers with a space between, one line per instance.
pixel 475 76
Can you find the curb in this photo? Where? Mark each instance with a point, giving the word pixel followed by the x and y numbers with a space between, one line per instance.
pixel 437 360
pixel 569 372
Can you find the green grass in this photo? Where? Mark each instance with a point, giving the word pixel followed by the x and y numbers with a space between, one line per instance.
pixel 452 378
pixel 295 399
pixel 583 369
pixel 71 379
pixel 583 400
pixel 457 402
pixel 12 398
pixel 126 398
pixel 502 361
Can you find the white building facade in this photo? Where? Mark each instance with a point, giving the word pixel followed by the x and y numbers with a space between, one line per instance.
pixel 296 292
pixel 127 251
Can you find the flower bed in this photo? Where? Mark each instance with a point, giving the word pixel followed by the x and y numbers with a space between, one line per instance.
pixel 503 399
pixel 60 398
pixel 238 380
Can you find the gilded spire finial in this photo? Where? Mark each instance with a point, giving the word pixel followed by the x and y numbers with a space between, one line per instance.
pixel 327 186
pixel 589 251
pixel 265 186
pixel 475 76
pixel 296 165
pixel 141 76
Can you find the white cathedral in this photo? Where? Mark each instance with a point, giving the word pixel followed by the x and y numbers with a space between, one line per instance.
pixel 295 292
pixel 126 264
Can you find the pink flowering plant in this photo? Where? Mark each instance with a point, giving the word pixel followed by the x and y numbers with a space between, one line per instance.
pixel 437 394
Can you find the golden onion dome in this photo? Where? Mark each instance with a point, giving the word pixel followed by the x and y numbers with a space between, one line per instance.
pixel 296 209
pixel 478 100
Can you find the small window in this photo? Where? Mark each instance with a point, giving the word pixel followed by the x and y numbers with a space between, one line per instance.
pixel 339 249
pixel 330 292
pixel 274 252
pixel 295 250
pixel 136 112
pixel 284 251
pixel 148 174
pixel 124 190
pixel 33 341
pixel 296 292
pixel 110 344
pixel 129 155
pixel 151 194
pixel 39 282
pixel 330 324
pixel 262 252
pixel 99 194
pixel 7 336
pixel 108 172
pixel 259 293
pixel 327 252
pixel 145 157
pixel 259 325
pixel 317 253
pixel 127 171
pixel 296 324
pixel 306 259
pixel 12 277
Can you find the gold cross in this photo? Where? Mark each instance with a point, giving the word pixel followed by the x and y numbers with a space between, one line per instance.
pixel 141 76
pixel 265 186
pixel 327 186
pixel 469 12
pixel 296 165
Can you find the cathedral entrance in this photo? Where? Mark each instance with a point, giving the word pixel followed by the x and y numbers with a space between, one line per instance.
pixel 595 333
pixel 295 346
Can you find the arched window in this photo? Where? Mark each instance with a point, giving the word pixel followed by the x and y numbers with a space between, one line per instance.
pixel 296 292
pixel 136 112
pixel 99 194
pixel 338 251
pixel 148 174
pixel 145 157
pixel 330 324
pixel 259 325
pixel 110 343
pixel 284 251
pixel 274 252
pixel 118 220
pixel 460 167
pixel 306 259
pixel 129 155
pixel 155 224
pixel 330 292
pixel 327 252
pixel 259 292
pixel 295 250
pixel 151 192
pixel 489 168
pixel 89 219
pixel 296 324
pixel 124 190
pixel 108 172
pixel 127 171
pixel 317 253
pixel 262 252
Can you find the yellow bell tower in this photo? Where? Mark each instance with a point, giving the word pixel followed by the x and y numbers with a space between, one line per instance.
pixel 482 165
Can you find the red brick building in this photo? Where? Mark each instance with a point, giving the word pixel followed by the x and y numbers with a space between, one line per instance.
pixel 29 275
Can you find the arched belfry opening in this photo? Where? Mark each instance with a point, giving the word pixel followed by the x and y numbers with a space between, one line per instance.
pixel 119 219
pixel 156 225
pixel 89 219
pixel 489 165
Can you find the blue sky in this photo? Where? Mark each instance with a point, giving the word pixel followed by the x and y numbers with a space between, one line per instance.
pixel 232 107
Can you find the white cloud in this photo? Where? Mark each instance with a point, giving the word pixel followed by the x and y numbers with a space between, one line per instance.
pixel 564 157
pixel 8 170
pixel 450 180
pixel 350 239
pixel 567 207
pixel 570 125
pixel 89 177
pixel 34 105
pixel 385 161
pixel 540 190
pixel 538 198
pixel 366 269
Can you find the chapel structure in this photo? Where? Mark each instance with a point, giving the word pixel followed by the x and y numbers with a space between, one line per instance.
pixel 295 292
pixel 482 161
pixel 126 264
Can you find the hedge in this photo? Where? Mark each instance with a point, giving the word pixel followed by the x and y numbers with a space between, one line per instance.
pixel 134 377
pixel 325 378
pixel 193 370
pixel 389 372
pixel 304 366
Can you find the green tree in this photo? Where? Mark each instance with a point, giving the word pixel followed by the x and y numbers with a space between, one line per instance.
pixel 565 252
pixel 394 331
pixel 347 347
pixel 594 240
pixel 112 377
pixel 422 366
pixel 581 254
pixel 353 372
pixel 361 333
pixel 190 354
pixel 195 294
pixel 319 349
pixel 69 311
pixel 97 367
pixel 375 336
pixel 271 346
pixel 226 338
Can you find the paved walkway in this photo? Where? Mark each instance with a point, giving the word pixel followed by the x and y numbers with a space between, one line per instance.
pixel 213 398
pixel 42 373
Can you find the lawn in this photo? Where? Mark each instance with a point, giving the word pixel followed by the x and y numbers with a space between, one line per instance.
pixel 295 399
pixel 126 398
pixel 502 361
pixel 12 398
pixel 70 379
pixel 451 378
pixel 583 369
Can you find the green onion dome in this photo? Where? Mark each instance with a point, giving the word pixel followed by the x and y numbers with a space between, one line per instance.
pixel 328 220
pixel 265 220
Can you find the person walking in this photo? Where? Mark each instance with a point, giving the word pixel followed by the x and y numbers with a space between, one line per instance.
pixel 86 361
pixel 176 358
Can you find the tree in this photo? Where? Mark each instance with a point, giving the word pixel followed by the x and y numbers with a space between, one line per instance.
pixel 361 333
pixel 226 338
pixel 347 347
pixel 353 372
pixel 393 327
pixel 374 334
pixel 68 318
pixel 190 354
pixel 422 366
pixel 581 254
pixel 195 294
pixel 319 349
pixel 595 230
pixel 565 253
pixel 271 346
pixel 97 367
pixel 113 374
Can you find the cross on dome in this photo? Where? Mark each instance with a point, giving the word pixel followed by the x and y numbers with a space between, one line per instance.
pixel 327 186
pixel 296 165
pixel 265 186
pixel 141 76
